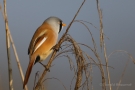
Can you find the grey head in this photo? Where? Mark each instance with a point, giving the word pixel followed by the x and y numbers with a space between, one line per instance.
pixel 55 22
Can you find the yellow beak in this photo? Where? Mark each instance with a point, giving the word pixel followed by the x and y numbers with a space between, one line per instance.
pixel 63 24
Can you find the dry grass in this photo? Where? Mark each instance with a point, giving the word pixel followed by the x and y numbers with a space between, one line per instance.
pixel 8 41
pixel 83 68
pixel 75 49
pixel 58 46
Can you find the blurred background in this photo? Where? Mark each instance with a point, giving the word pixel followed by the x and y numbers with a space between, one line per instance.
pixel 25 17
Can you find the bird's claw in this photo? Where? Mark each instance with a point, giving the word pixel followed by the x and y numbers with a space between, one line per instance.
pixel 45 66
pixel 56 48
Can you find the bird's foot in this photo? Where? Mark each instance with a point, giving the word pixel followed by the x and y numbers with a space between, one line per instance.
pixel 45 67
pixel 56 48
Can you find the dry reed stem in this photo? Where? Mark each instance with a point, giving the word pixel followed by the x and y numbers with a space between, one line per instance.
pixel 96 54
pixel 133 60
pixel 36 76
pixel 85 66
pixel 8 49
pixel 89 32
pixel 87 76
pixel 92 25
pixel 72 66
pixel 80 62
pixel 86 82
pixel 14 49
pixel 58 46
pixel 91 79
pixel 57 80
pixel 102 44
pixel 100 65
pixel 122 75
pixel 70 62
pixel 69 59
pixel 65 51
pixel 94 44
pixel 101 24
pixel 18 61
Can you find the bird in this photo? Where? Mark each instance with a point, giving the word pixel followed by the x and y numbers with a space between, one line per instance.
pixel 42 42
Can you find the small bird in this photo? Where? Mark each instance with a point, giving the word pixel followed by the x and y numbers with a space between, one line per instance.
pixel 42 42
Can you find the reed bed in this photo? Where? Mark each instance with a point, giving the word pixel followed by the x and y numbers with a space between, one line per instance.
pixel 83 67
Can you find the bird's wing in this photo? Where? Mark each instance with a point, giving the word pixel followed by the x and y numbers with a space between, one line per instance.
pixel 38 36
pixel 39 42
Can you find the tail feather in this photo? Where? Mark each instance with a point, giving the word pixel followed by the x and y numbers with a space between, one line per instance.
pixel 28 72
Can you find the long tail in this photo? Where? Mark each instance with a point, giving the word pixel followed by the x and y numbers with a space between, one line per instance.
pixel 28 72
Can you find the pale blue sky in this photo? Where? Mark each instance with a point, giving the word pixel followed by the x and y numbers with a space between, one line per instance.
pixel 25 17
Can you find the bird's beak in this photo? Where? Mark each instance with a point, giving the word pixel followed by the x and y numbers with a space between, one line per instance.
pixel 63 24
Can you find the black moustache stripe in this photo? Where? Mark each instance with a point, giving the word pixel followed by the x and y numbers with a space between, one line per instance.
pixel 60 26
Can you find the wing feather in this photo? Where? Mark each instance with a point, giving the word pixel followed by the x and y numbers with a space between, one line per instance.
pixel 38 35
pixel 39 42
